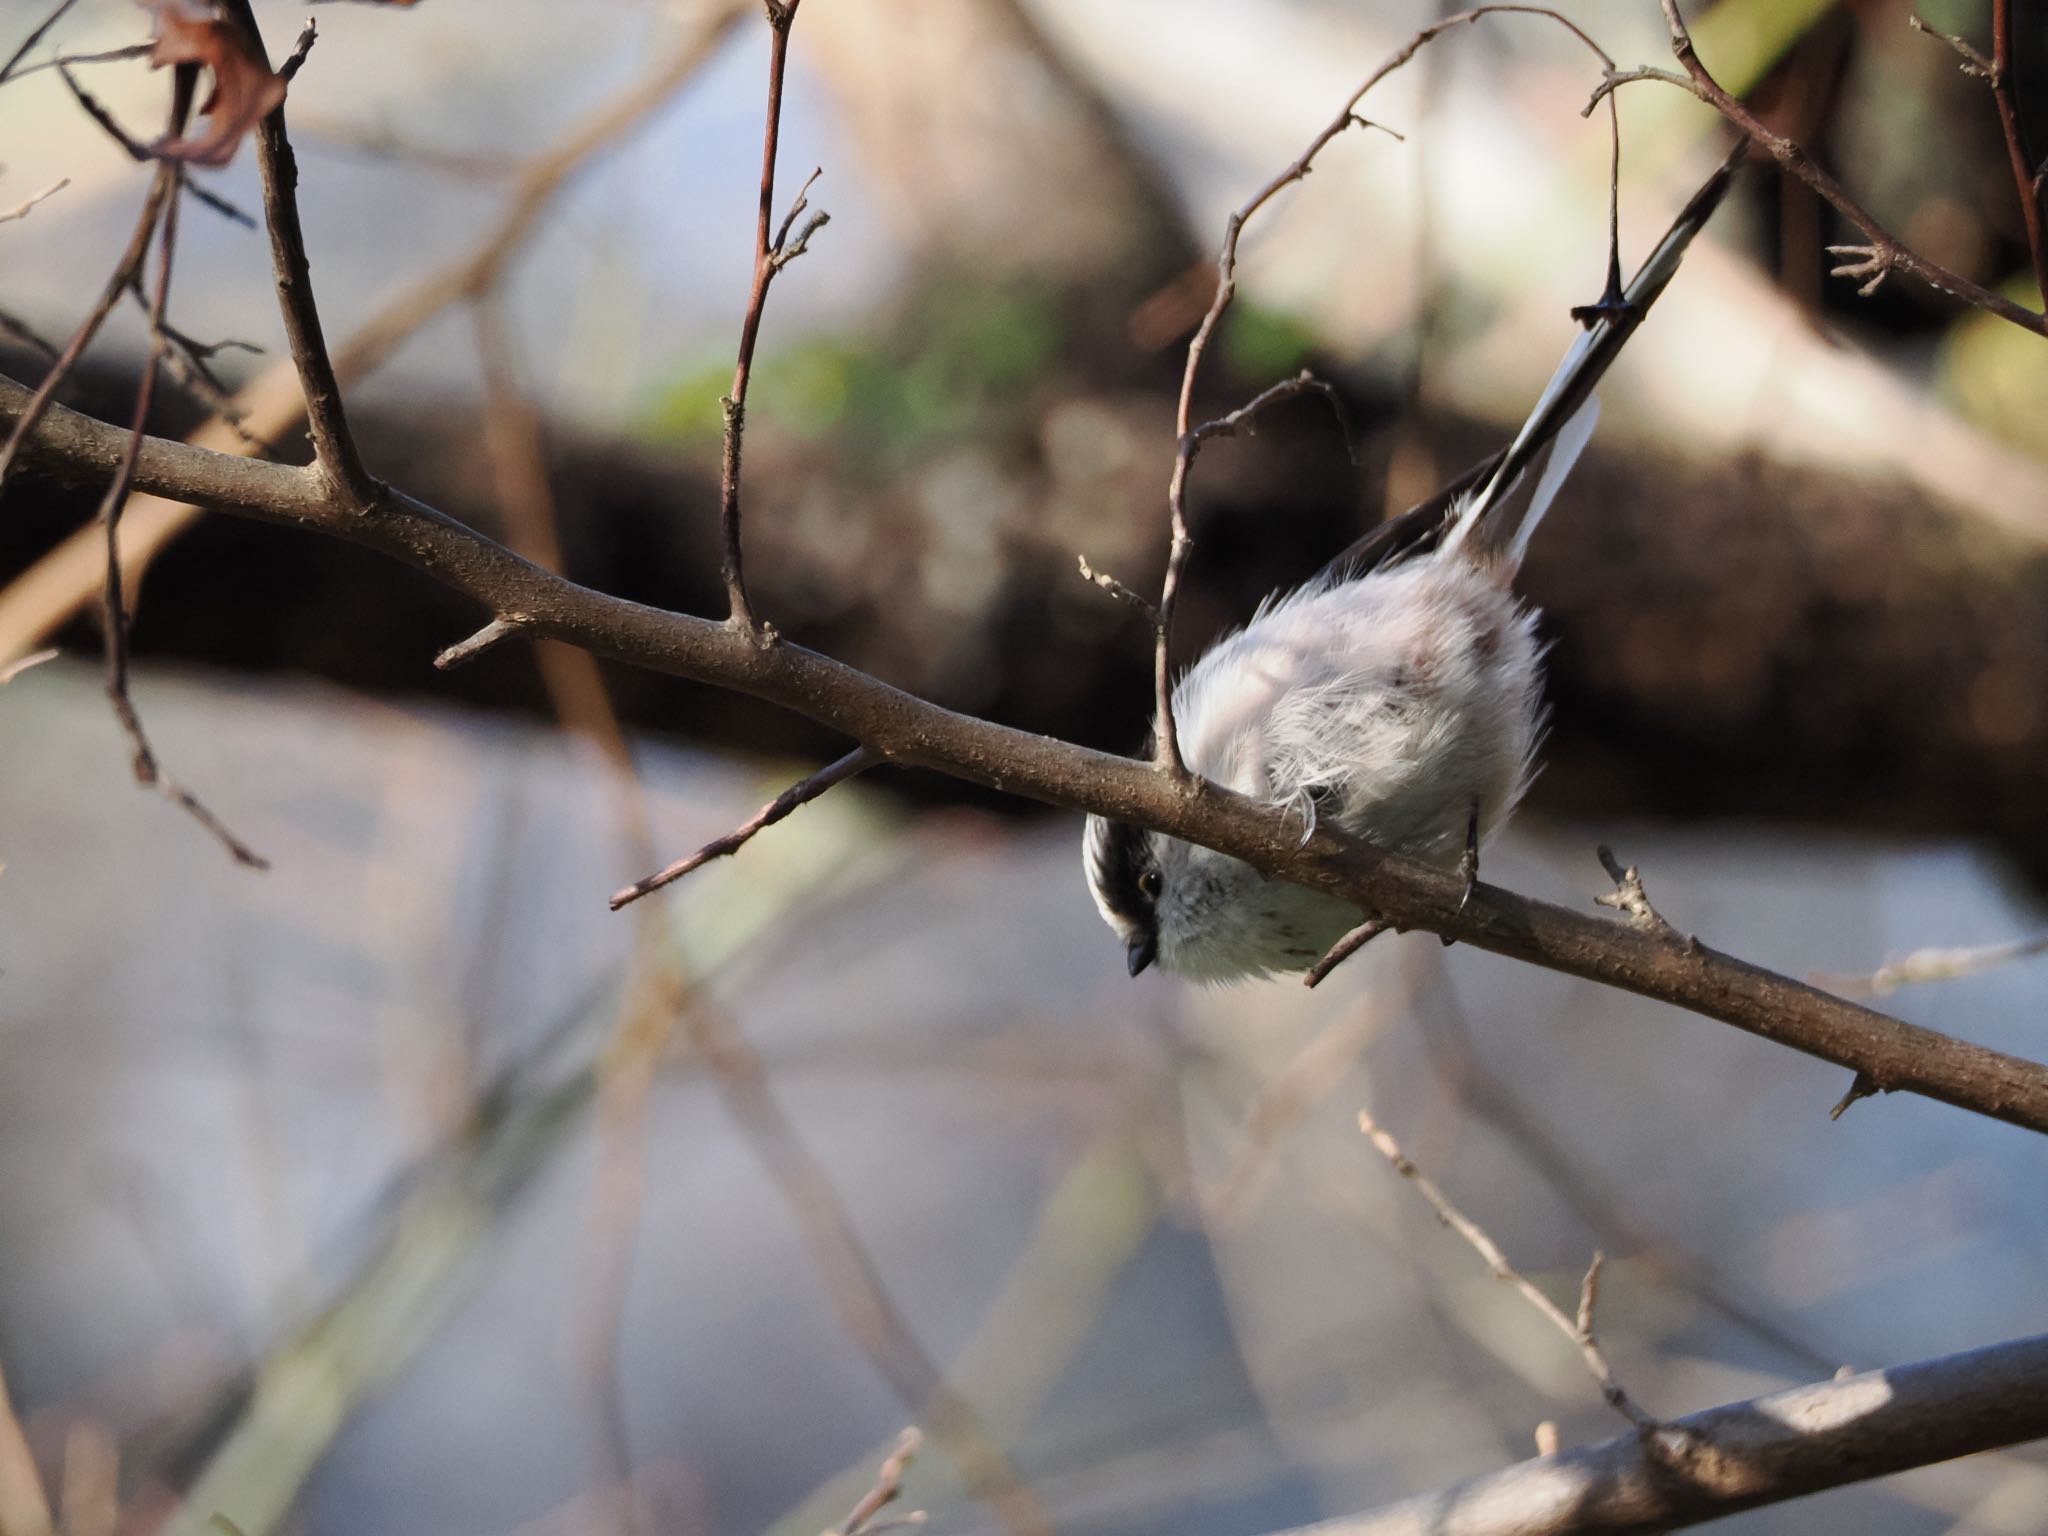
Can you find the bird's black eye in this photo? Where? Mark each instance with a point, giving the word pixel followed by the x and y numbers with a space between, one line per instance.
pixel 1151 884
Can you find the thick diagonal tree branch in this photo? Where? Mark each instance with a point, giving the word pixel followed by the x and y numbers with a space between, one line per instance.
pixel 1745 1455
pixel 906 730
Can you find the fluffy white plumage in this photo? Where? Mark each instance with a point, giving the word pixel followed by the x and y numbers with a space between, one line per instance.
pixel 1398 697
pixel 1398 705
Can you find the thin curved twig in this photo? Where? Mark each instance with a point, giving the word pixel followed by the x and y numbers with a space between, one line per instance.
pixel 801 793
pixel 1578 1330
pixel 1188 438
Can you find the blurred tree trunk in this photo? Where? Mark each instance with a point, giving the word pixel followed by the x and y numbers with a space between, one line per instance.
pixel 993 154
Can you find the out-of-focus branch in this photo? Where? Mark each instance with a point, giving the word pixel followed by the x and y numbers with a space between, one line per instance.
pixel 860 1301
pixel 158 224
pixel 36 35
pixel 122 279
pixel 888 1487
pixel 23 209
pixel 519 481
pixel 1764 1451
pixel 1456 1061
pixel 34 659
pixel 1949 963
pixel 63 581
pixel 1579 1330
pixel 149 771
pixel 24 1503
pixel 906 730
pixel 653 990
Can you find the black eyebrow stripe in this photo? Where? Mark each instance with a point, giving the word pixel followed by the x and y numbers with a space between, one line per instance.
pixel 1117 852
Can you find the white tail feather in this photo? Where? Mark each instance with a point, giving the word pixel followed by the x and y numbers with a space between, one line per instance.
pixel 1572 438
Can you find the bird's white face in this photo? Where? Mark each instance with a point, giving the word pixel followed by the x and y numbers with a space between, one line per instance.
pixel 1201 914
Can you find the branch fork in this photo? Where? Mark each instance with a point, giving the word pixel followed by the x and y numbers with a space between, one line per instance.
pixel 1630 898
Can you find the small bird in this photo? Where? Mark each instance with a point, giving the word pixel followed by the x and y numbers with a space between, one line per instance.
pixel 1397 695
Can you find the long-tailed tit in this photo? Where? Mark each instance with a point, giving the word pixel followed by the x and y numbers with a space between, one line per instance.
pixel 1399 694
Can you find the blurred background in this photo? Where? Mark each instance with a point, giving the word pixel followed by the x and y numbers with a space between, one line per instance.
pixel 405 1187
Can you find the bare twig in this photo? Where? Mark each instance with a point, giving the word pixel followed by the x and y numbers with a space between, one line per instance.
pixel 1303 383
pixel 1166 739
pixel 1344 949
pixel 108 123
pixel 22 210
pixel 1882 254
pixel 148 770
pixel 193 187
pixel 296 59
pixel 1976 62
pixel 2026 178
pixel 1862 1086
pixel 1996 71
pixel 771 254
pixel 1933 964
pixel 887 1489
pixel 334 446
pixel 1579 1331
pixel 1286 1098
pixel 36 35
pixel 124 274
pixel 191 361
pixel 1628 896
pixel 1119 591
pixel 801 793
pixel 1456 1061
pixel 104 56
pixel 468 650
pixel 914 733
pixel 782 251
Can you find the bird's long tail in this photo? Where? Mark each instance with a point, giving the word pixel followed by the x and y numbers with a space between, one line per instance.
pixel 1503 512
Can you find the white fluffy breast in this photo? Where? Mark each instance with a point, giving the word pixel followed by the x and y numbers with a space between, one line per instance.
pixel 1395 705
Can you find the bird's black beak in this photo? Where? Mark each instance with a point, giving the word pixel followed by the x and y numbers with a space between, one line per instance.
pixel 1143 950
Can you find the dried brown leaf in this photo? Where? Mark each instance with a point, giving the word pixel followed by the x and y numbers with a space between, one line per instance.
pixel 245 89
